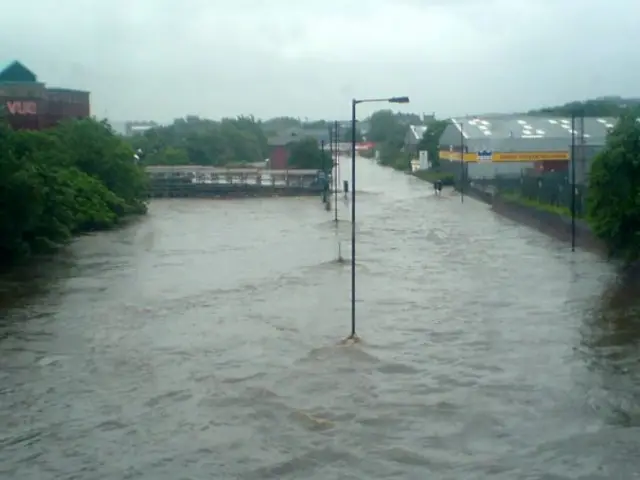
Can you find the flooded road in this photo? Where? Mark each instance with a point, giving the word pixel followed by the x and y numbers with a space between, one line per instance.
pixel 203 342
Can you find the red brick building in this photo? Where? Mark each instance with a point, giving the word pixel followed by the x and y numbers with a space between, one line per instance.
pixel 30 104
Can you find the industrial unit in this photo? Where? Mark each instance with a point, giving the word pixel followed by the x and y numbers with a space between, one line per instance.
pixel 28 104
pixel 516 144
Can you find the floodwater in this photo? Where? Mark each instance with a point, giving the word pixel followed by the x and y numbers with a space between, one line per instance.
pixel 204 342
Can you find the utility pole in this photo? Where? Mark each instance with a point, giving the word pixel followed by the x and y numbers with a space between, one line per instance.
pixel 335 174
pixel 324 174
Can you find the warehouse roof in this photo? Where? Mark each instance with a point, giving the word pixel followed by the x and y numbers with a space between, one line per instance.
pixel 502 127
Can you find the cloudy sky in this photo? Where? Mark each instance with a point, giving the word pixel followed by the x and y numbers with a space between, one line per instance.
pixel 161 59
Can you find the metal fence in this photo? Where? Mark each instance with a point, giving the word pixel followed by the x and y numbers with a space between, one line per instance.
pixel 552 188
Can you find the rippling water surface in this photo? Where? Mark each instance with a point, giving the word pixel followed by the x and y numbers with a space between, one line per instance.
pixel 204 342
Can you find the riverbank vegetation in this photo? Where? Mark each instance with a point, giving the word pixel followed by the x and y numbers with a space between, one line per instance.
pixel 74 178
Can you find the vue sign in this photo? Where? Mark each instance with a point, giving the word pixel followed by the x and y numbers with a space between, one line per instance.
pixel 17 107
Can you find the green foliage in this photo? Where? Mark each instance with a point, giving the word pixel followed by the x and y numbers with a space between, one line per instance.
pixel 198 141
pixel 528 202
pixel 431 139
pixel 393 157
pixel 614 191
pixel 306 154
pixel 74 178
pixel 388 128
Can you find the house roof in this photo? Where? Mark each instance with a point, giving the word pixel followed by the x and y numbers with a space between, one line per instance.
pixel 15 71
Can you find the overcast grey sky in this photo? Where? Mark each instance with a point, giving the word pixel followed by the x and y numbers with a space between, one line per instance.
pixel 161 59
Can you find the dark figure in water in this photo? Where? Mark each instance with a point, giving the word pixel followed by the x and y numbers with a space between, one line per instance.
pixel 437 186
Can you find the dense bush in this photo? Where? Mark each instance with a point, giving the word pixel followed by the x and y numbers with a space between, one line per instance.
pixel 613 202
pixel 74 178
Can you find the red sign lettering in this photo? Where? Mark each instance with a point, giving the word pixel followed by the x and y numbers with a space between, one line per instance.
pixel 17 107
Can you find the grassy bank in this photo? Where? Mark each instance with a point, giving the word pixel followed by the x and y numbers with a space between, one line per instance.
pixel 433 176
pixel 527 202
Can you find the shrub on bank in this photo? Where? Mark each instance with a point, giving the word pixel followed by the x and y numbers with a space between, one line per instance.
pixel 74 178
pixel 391 156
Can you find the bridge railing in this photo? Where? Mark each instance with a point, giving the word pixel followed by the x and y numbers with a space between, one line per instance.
pixel 197 174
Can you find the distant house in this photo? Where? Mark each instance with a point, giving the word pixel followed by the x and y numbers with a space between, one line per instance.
pixel 280 145
pixel 412 138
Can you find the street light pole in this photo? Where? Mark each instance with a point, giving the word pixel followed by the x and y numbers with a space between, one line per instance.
pixel 354 103
pixel 335 173
pixel 461 162
pixel 573 181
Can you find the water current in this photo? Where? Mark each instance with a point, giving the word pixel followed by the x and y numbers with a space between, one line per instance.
pixel 204 342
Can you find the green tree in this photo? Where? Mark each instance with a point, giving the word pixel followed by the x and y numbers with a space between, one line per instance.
pixel 430 141
pixel 167 156
pixel 613 204
pixel 306 154
pixel 387 127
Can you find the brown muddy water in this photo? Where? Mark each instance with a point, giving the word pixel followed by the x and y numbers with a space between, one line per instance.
pixel 203 342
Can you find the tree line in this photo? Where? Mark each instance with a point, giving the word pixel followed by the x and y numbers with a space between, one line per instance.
pixel 77 177
pixel 228 142
pixel 198 141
